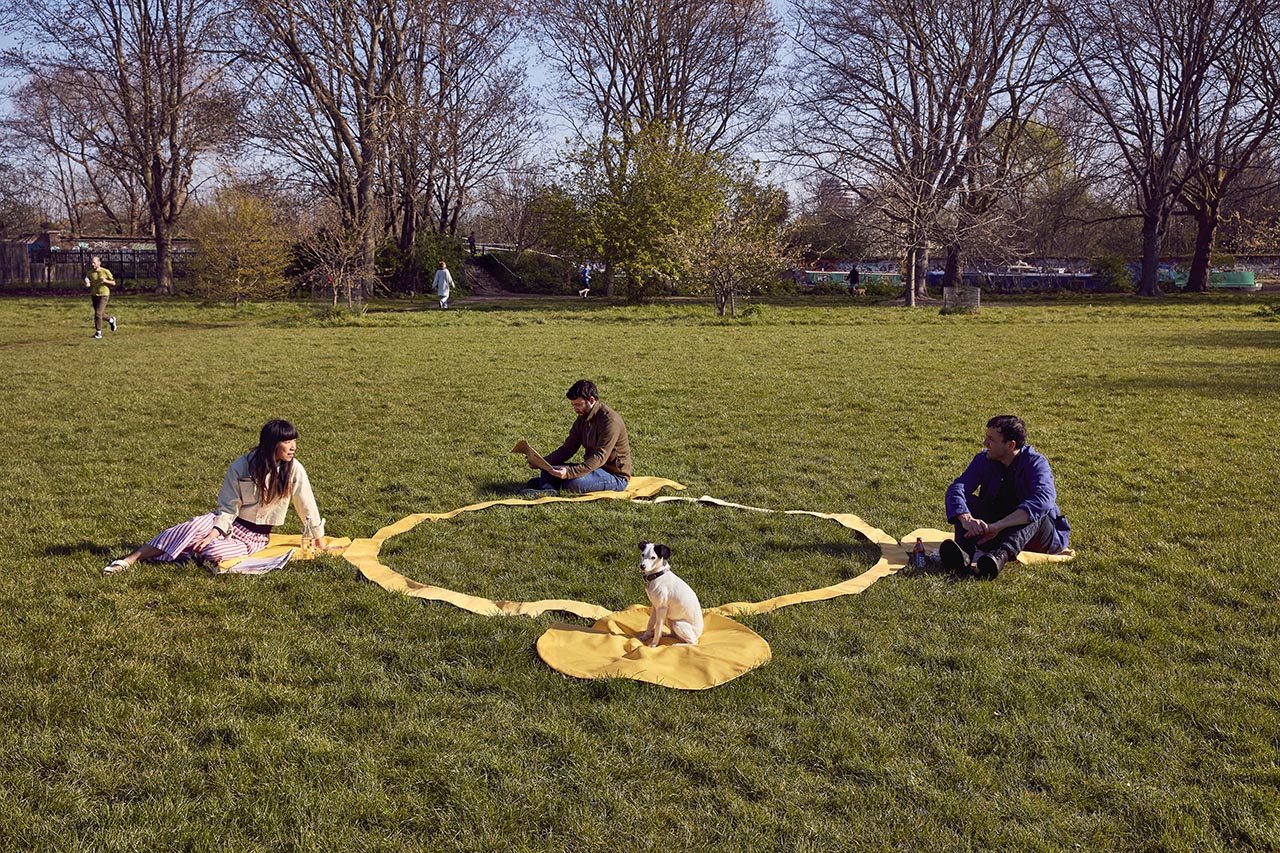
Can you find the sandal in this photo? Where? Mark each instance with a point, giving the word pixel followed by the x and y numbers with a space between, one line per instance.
pixel 115 566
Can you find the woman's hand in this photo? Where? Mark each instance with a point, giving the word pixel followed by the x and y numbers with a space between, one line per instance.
pixel 204 543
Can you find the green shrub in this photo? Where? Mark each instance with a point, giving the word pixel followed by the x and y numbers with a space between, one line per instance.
pixel 1112 272
pixel 827 288
pixel 536 273
pixel 884 289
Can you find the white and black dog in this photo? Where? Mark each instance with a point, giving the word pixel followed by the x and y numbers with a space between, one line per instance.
pixel 674 606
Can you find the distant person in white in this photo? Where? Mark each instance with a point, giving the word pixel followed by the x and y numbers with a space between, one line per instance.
pixel 443 282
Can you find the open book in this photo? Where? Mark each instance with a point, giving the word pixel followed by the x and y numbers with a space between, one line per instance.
pixel 533 456
pixel 256 566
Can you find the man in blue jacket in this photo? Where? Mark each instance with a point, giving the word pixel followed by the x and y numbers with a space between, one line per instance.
pixel 1005 502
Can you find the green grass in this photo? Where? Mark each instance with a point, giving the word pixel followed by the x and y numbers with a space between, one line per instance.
pixel 1124 701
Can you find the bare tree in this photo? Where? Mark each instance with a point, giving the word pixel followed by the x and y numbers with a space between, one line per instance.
pixel 467 113
pixel 1236 116
pixel 695 71
pixel 511 208
pixel 901 100
pixel 331 71
pixel 148 85
pixel 51 127
pixel 699 67
pixel 20 210
pixel 1141 67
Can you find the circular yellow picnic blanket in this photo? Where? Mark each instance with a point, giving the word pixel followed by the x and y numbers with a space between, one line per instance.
pixel 611 648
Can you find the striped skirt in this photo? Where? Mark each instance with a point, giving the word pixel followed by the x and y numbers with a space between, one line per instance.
pixel 179 543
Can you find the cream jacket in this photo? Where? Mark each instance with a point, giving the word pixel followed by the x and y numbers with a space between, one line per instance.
pixel 238 497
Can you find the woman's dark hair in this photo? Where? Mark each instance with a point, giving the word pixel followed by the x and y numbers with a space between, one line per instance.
pixel 272 478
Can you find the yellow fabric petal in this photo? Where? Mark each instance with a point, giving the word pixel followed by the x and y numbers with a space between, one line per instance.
pixel 611 648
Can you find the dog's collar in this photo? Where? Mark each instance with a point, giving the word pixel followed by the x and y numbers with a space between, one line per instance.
pixel 655 575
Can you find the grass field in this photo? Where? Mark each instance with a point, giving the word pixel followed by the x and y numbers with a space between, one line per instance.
pixel 1125 701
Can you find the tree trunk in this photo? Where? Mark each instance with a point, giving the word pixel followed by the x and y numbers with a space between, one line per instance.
pixel 1151 237
pixel 952 276
pixel 909 279
pixel 408 236
pixel 164 257
pixel 608 279
pixel 368 241
pixel 922 271
pixel 1206 230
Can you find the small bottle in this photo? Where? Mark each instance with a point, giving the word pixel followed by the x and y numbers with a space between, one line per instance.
pixel 918 554
pixel 306 541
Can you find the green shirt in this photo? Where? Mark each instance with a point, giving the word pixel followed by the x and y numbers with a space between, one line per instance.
pixel 100 281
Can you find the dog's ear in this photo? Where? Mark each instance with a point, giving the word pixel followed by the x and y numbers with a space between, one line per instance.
pixel 662 551
pixel 642 544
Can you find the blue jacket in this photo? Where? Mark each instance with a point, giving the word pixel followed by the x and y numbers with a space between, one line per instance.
pixel 1032 484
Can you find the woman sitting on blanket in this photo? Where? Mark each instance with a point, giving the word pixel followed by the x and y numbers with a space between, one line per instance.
pixel 255 497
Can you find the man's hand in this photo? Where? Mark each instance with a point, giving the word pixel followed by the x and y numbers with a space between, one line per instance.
pixel 973 527
pixel 1017 518
pixel 560 471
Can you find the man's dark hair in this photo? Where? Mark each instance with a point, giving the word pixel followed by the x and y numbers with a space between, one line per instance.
pixel 582 389
pixel 1011 428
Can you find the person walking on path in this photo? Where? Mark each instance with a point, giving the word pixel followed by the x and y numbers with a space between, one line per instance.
pixel 443 283
pixel 99 280
pixel 255 496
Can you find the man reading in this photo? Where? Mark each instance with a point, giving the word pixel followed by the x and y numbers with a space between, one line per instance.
pixel 600 432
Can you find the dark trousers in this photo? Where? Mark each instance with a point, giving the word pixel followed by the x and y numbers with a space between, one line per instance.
pixel 100 311
pixel 1036 536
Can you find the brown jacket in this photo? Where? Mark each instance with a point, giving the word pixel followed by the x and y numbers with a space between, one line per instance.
pixel 603 437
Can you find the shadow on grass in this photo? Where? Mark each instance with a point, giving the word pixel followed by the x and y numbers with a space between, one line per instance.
pixel 1251 339
pixel 1209 380
pixel 499 489
pixel 77 549
pixel 935 569
pixel 837 550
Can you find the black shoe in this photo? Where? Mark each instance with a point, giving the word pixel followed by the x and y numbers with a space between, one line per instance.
pixel 954 559
pixel 532 483
pixel 989 565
